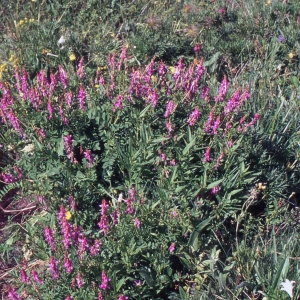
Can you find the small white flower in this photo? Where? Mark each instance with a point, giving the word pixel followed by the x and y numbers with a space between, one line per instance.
pixel 120 199
pixel 61 42
pixel 288 287
pixel 28 148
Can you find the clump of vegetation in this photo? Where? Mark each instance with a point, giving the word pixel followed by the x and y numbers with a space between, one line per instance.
pixel 159 143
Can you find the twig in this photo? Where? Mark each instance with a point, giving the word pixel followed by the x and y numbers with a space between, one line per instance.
pixel 17 210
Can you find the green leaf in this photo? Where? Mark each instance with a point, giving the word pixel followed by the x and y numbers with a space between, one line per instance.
pixel 213 184
pixel 145 110
pixel 193 240
pixel 60 150
pixel 156 141
pixel 182 293
pixel 213 59
pixel 188 146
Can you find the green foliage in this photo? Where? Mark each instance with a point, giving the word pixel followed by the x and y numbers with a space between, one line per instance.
pixel 205 189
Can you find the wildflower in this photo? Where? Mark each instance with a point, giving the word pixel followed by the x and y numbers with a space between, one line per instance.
pixel 100 296
pixel 173 162
pixel 61 41
pixel 53 265
pixel 69 98
pixel 129 206
pixel 219 159
pixel 169 127
pixel 162 69
pixel 68 141
pixel 103 223
pixel 48 233
pixel 79 280
pixel 172 69
pixel 25 277
pixel 50 109
pixel 222 90
pixel 291 55
pixel 80 68
pixel 82 245
pixel 153 22
pixel 205 92
pixel 12 294
pixel 65 227
pixel 169 108
pixel 288 287
pixel 216 125
pixel 62 115
pixel 36 278
pixel 122 297
pixel 69 298
pixel 191 31
pixel 118 104
pixel 81 96
pixel 222 11
pixel 281 38
pixel 230 143
pixel 28 148
pixel 163 156
pixel 137 283
pixel 68 264
pixel 207 155
pixel 104 281
pixel 88 156
pixel 137 223
pixel 153 97
pixel 268 2
pixel 132 193
pixel 68 215
pixel 214 190
pixel 63 77
pixel 94 250
pixel 172 248
pixel 233 102
pixel 72 57
pixel 123 56
pixel 194 116
pixel 255 118
pixel 112 61
pixel 72 203
pixel 197 49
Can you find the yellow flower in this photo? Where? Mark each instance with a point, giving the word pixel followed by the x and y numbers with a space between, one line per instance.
pixel 68 215
pixel 154 78
pixel 3 68
pixel 96 86
pixel 21 22
pixel 291 55
pixel 31 20
pixel 172 70
pixel 72 57
pixel 268 2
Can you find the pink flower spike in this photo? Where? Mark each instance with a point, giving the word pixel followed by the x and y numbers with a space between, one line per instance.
pixel 137 223
pixel 36 278
pixel 25 277
pixel 53 265
pixel 79 280
pixel 172 248
pixel 222 90
pixel 12 294
pixel 105 281
pixel 122 297
pixel 81 97
pixel 80 68
pixel 194 116
pixel 207 155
